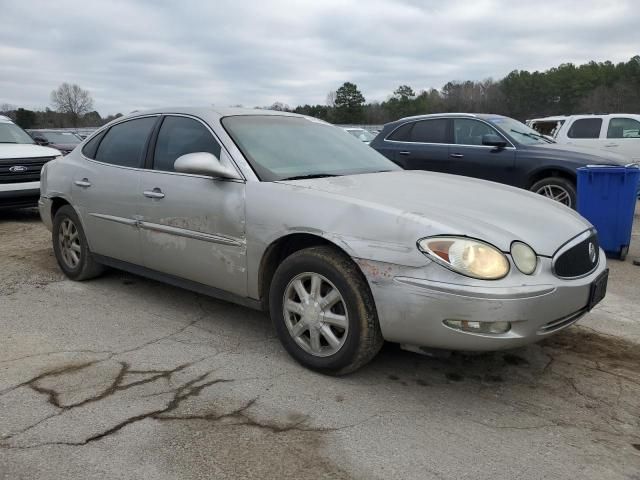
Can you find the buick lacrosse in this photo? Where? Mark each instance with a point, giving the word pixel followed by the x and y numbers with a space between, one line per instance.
pixel 292 215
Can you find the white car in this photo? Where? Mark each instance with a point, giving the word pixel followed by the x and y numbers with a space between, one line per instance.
pixel 21 161
pixel 618 132
pixel 361 134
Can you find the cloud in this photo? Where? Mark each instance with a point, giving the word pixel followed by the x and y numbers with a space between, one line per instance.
pixel 142 54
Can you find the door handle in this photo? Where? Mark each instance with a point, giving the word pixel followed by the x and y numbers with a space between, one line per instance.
pixel 155 193
pixel 456 155
pixel 84 183
pixel 404 152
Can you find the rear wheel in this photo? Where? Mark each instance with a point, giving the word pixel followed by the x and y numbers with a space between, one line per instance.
pixel 558 189
pixel 70 246
pixel 323 311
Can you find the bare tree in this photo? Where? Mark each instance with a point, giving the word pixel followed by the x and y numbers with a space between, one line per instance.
pixel 331 98
pixel 72 100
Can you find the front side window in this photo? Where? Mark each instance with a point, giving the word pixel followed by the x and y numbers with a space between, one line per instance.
pixel 285 147
pixel 585 128
pixel 430 131
pixel 179 136
pixel 124 143
pixel 623 128
pixel 11 133
pixel 470 132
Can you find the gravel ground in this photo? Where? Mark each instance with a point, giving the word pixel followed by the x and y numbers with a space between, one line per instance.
pixel 123 377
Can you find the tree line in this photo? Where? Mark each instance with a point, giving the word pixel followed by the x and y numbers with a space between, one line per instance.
pixel 563 90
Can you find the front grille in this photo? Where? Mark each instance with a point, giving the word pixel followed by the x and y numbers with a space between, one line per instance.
pixel 30 171
pixel 577 259
pixel 561 323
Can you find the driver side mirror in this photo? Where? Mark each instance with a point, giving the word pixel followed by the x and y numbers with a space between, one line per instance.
pixel 493 140
pixel 203 163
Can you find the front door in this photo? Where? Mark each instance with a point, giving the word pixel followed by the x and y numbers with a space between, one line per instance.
pixel 469 157
pixel 106 188
pixel 192 226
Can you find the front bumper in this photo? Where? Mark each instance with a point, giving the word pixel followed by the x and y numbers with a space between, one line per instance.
pixel 413 303
pixel 18 195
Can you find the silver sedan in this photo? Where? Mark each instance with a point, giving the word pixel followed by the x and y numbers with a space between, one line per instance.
pixel 289 214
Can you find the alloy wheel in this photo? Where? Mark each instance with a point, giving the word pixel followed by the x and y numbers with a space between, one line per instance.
pixel 315 314
pixel 557 193
pixel 69 242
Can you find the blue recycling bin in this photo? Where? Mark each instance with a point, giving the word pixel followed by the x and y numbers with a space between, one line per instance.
pixel 607 198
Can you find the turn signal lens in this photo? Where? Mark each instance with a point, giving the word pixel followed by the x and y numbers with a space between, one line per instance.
pixel 472 258
pixel 524 257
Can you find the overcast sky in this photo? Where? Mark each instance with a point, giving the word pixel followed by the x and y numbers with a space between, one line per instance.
pixel 138 54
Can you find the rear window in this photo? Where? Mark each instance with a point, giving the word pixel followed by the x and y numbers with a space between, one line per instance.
pixel 585 128
pixel 125 142
pixel 402 133
pixel 430 131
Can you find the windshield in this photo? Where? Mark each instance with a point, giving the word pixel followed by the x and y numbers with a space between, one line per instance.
pixel 519 131
pixel 361 134
pixel 281 147
pixel 11 133
pixel 58 137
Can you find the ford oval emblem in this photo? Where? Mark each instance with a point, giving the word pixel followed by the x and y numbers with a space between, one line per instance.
pixel 18 169
pixel 592 252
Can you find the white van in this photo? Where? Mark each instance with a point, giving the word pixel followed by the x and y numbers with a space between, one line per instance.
pixel 20 163
pixel 617 132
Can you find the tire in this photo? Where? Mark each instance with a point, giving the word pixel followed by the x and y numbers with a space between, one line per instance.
pixel 358 331
pixel 557 188
pixel 68 239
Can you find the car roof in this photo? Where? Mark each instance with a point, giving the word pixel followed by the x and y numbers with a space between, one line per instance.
pixel 213 111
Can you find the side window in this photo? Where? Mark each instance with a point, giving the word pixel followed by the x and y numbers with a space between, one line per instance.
pixel 179 136
pixel 585 128
pixel 467 131
pixel 124 143
pixel 623 128
pixel 89 150
pixel 430 131
pixel 403 133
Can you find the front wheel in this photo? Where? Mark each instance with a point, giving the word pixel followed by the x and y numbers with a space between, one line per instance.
pixel 323 311
pixel 558 189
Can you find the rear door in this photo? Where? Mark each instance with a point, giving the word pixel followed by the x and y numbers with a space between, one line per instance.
pixel 106 189
pixel 623 136
pixel 192 226
pixel 421 145
pixel 469 157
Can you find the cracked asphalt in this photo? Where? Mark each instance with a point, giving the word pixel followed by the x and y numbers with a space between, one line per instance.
pixel 123 377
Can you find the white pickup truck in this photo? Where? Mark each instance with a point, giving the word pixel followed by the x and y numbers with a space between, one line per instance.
pixel 619 132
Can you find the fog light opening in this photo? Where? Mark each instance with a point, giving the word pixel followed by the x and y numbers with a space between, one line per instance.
pixel 478 327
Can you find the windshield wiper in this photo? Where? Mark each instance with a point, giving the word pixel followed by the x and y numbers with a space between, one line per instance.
pixel 311 175
pixel 535 136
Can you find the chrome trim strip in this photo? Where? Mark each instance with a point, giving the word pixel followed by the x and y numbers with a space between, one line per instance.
pixel 181 232
pixel 111 218
pixel 19 186
pixel 568 246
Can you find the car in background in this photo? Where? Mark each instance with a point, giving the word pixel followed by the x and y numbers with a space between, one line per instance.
pixel 490 147
pixel 290 214
pixel 62 140
pixel 618 133
pixel 361 134
pixel 21 161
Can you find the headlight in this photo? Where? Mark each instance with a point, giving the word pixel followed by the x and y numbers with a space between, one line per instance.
pixel 472 258
pixel 524 257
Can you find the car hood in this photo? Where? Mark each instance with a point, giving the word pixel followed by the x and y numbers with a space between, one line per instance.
pixel 584 155
pixel 67 147
pixel 435 203
pixel 25 150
